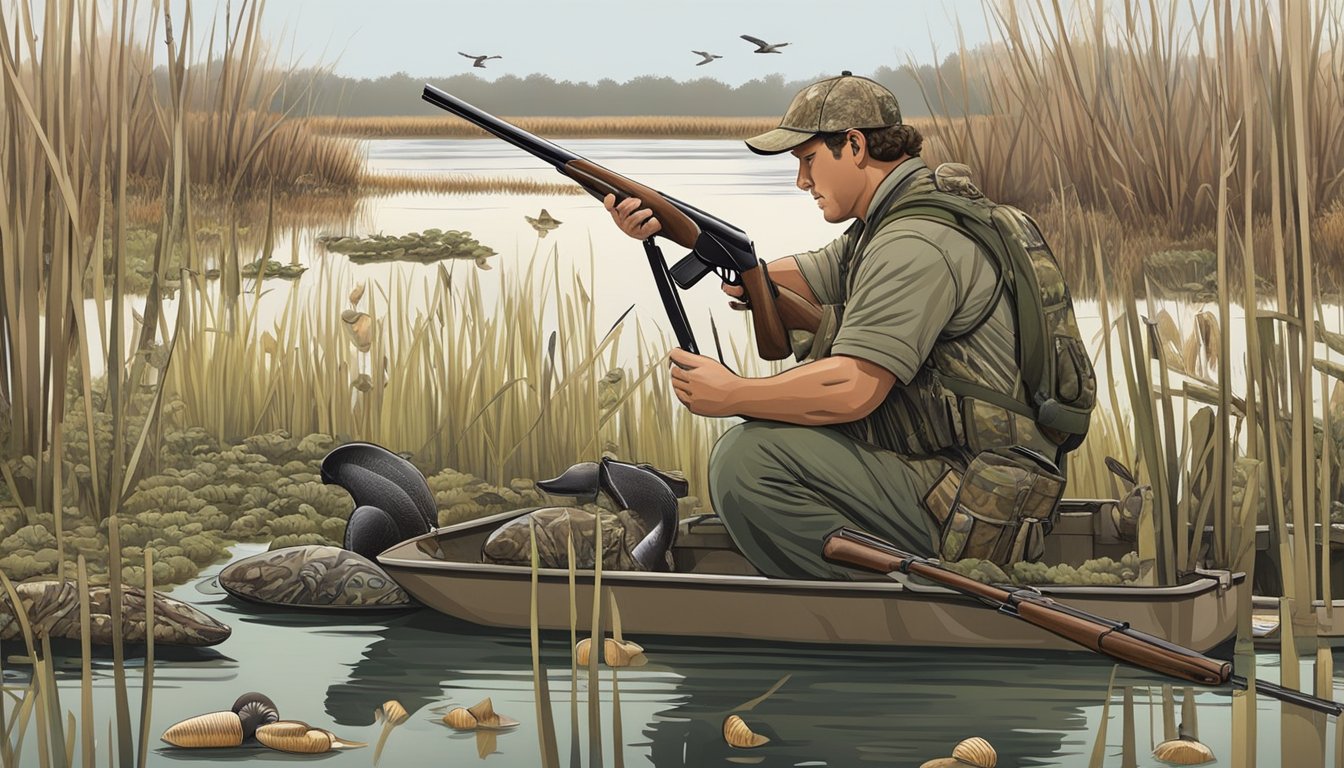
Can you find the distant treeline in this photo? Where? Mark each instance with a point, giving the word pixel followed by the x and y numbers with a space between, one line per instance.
pixel 320 93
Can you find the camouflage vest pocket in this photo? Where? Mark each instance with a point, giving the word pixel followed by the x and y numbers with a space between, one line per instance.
pixel 1005 504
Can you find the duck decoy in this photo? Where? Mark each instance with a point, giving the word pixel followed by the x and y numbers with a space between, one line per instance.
pixel 392 499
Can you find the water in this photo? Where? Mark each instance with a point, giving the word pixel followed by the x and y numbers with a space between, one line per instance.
pixel 839 706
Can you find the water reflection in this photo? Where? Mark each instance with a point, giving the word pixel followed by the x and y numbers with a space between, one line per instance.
pixel 838 706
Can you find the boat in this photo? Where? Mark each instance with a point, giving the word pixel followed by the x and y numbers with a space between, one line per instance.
pixel 714 592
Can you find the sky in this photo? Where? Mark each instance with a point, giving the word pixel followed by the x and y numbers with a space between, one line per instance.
pixel 587 40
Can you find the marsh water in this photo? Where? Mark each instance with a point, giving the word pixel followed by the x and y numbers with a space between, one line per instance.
pixel 831 706
pixel 835 706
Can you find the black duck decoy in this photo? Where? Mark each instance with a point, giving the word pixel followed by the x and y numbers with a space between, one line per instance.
pixel 392 499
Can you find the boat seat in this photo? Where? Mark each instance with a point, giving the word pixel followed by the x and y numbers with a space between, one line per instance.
pixel 704 546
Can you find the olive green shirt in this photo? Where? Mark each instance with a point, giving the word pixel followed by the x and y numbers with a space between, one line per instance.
pixel 916 284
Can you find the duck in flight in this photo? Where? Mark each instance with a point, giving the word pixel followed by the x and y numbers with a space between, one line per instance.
pixel 480 60
pixel 762 46
pixel 708 57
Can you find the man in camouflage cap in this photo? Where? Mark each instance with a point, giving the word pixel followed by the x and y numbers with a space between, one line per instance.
pixel 854 436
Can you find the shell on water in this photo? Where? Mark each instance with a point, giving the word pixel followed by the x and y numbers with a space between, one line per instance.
pixel 393 712
pixel 976 751
pixel 460 719
pixel 615 653
pixel 738 734
pixel 1183 752
pixel 213 729
pixel 486 717
pixel 301 738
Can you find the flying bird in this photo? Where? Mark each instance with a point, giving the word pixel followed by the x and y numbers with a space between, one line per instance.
pixel 480 60
pixel 762 46
pixel 708 57
pixel 543 223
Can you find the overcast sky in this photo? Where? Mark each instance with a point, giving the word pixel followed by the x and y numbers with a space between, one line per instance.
pixel 587 40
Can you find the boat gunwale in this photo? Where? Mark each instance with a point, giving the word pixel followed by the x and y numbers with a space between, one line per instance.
pixel 407 555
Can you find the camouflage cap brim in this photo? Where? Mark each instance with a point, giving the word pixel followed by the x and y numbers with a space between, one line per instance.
pixel 777 141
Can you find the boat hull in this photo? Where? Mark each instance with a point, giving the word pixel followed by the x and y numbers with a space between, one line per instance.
pixel 439 571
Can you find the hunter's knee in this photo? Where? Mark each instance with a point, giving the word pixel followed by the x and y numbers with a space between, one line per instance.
pixel 742 455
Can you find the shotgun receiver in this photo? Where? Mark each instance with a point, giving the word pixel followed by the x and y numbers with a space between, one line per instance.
pixel 715 244
pixel 1096 633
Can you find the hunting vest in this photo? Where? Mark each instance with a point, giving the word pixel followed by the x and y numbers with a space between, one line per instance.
pixel 926 417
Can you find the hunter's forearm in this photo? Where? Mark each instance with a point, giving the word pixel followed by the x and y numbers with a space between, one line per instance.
pixel 785 273
pixel 832 390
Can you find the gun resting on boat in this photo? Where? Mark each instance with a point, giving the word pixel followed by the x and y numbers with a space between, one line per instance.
pixel 1096 633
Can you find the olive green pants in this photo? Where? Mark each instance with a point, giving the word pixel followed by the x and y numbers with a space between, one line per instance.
pixel 781 488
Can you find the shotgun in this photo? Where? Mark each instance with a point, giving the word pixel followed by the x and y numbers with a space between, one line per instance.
pixel 716 246
pixel 1096 633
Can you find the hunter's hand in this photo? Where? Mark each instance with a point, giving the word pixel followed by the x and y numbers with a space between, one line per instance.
pixel 703 384
pixel 738 292
pixel 633 221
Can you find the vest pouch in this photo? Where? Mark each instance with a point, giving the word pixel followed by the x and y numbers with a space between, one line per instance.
pixel 1006 503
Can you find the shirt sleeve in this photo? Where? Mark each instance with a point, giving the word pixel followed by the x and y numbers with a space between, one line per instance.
pixel 904 295
pixel 821 270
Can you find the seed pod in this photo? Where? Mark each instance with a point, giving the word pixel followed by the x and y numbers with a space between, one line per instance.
pixel 977 752
pixel 214 729
pixel 737 734
pixel 357 294
pixel 1183 752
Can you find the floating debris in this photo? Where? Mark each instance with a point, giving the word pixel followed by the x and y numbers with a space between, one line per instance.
pixel 543 223
pixel 738 734
pixel 299 737
pixel 974 752
pixel 481 716
pixel 312 575
pixel 1183 750
pixel 213 729
pixel 615 653
pixel 255 710
pixel 273 269
pixel 423 247
pixel 392 714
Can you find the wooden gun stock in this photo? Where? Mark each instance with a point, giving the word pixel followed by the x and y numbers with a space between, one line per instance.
pixel 775 310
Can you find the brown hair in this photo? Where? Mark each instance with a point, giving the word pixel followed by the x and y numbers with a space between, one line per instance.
pixel 885 144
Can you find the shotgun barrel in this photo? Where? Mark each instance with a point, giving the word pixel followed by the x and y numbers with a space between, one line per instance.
pixel 716 246
pixel 1096 633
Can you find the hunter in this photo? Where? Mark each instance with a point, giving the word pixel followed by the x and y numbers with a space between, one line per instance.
pixel 861 433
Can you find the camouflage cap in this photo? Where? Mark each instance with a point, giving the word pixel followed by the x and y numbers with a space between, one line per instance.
pixel 830 106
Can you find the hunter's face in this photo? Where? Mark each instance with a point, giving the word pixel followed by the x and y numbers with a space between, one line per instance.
pixel 836 183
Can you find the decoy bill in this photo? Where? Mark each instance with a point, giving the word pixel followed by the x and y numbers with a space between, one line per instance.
pixel 762 46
